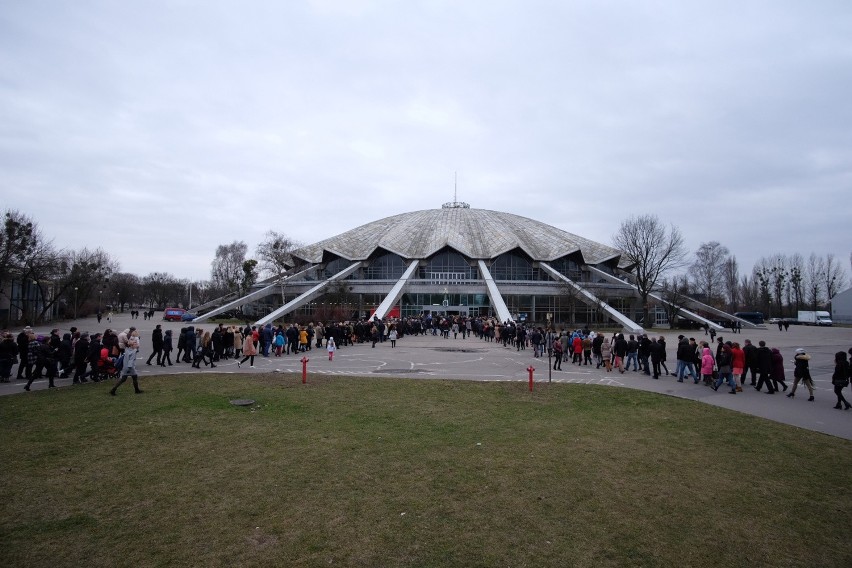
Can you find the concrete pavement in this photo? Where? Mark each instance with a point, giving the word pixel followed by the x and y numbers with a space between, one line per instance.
pixel 472 359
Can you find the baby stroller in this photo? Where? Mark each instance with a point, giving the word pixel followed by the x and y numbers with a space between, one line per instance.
pixel 107 368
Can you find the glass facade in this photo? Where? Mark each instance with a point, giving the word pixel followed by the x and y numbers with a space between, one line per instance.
pixel 386 267
pixel 511 266
pixel 336 266
pixel 447 267
pixel 568 268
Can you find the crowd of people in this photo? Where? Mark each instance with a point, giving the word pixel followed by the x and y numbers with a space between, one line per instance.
pixel 99 356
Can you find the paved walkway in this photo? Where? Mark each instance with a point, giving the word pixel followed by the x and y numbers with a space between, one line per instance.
pixel 472 359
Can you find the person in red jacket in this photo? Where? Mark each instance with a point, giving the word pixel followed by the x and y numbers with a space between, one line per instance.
pixel 737 364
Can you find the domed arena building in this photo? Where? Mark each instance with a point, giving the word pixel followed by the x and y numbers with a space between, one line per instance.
pixel 452 261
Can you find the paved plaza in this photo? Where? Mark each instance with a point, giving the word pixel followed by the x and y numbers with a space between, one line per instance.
pixel 432 357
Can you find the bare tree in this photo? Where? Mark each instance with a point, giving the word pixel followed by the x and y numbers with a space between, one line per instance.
pixel 675 292
pixel 651 249
pixel 274 254
pixel 730 282
pixel 773 275
pixel 162 289
pixel 126 288
pixel 749 291
pixel 814 273
pixel 227 267
pixel 707 270
pixel 835 277
pixel 797 275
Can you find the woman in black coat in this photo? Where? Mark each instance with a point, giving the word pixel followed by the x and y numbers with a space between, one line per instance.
pixel 840 378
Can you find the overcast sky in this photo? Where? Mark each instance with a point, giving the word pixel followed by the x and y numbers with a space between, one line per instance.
pixel 159 130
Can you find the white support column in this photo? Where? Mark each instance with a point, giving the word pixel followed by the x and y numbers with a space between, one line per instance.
pixel 256 295
pixel 308 296
pixel 683 312
pixel 494 294
pixel 629 325
pixel 396 291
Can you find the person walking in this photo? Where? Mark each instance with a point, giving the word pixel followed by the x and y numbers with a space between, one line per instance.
pixel 46 359
pixel 23 341
pixel 707 364
pixel 204 352
pixel 737 364
pixel 685 355
pixel 840 379
pixel 597 342
pixel 606 354
pixel 8 357
pixel 662 342
pixel 556 346
pixel 723 365
pixel 81 354
pixel 750 362
pixel 656 351
pixel 128 369
pixel 392 335
pixel 167 349
pixel 764 365
pixel 620 350
pixel 181 345
pixel 249 351
pixel 156 345
pixel 331 347
pixel 802 373
pixel 632 354
pixel 777 373
pixel 189 344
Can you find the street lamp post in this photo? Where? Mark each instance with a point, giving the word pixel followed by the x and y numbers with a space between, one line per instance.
pixel 75 302
pixel 549 347
pixel 100 296
pixel 35 300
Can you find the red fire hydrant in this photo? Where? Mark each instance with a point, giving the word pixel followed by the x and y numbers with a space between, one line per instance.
pixel 531 369
pixel 305 370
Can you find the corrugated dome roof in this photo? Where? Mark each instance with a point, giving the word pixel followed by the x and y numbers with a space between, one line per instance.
pixel 475 233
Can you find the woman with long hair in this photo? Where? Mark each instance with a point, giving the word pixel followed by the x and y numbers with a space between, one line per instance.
pixel 249 350
pixel 840 378
pixel 205 350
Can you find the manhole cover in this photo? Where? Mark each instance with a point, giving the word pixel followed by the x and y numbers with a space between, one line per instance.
pixel 242 402
pixel 458 350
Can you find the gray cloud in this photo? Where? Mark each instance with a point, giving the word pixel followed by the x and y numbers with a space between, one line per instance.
pixel 160 130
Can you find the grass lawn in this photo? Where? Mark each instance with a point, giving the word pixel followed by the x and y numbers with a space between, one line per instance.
pixel 393 472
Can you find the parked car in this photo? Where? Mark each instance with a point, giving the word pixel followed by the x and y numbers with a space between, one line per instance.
pixel 187 316
pixel 174 314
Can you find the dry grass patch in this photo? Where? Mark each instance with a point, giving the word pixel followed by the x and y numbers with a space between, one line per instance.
pixel 389 472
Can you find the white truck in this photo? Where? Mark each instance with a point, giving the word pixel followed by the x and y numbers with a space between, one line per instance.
pixel 814 318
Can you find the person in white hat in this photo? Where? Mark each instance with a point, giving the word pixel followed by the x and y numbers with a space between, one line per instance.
pixel 802 373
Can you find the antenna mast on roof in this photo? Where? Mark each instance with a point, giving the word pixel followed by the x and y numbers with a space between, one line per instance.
pixel 455 203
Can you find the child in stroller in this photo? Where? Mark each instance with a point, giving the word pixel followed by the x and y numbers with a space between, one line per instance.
pixel 107 368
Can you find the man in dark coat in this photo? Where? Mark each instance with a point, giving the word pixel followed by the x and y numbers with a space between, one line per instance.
pixel 656 351
pixel 81 354
pixel 156 345
pixel 189 345
pixel 750 352
pixel 94 356
pixel 644 353
pixel 620 350
pixel 764 365
pixel 25 370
